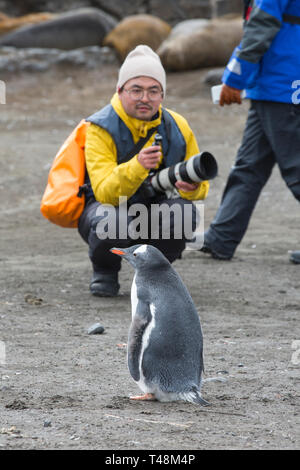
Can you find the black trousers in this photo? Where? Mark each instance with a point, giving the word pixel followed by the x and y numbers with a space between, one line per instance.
pixel 93 227
pixel 272 135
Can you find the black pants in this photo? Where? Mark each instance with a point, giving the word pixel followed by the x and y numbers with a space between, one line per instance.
pixel 91 230
pixel 272 135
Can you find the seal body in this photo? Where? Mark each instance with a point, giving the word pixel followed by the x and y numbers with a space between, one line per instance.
pixel 71 30
pixel 8 23
pixel 165 342
pixel 200 43
pixel 134 30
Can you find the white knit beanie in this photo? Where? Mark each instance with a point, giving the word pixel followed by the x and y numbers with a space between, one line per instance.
pixel 142 61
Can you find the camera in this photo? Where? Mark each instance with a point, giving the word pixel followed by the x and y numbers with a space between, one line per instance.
pixel 146 189
pixel 200 167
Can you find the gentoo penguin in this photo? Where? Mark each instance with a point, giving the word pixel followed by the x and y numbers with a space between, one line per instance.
pixel 165 338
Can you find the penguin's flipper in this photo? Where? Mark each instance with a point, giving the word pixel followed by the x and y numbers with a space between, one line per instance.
pixel 139 323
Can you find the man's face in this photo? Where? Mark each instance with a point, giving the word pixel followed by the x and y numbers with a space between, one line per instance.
pixel 141 97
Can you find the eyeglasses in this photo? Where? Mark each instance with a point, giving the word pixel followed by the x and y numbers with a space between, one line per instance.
pixel 137 94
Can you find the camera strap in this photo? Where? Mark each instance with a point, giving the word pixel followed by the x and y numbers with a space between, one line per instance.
pixel 138 146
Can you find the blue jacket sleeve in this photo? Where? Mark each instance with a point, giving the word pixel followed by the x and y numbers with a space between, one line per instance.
pixel 259 31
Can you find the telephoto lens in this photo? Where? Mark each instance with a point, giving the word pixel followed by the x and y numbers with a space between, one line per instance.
pixel 200 167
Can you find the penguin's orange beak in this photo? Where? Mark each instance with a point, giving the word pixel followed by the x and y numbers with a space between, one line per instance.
pixel 116 251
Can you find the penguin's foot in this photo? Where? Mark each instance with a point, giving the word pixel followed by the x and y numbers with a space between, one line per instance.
pixel 145 397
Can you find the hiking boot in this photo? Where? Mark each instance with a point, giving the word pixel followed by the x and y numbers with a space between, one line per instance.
pixel 207 249
pixel 104 284
pixel 295 257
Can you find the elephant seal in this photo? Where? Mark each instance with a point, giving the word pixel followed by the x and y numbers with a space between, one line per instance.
pixel 8 23
pixel 210 44
pixel 71 30
pixel 134 30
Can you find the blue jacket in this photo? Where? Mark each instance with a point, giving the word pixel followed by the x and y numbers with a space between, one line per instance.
pixel 267 61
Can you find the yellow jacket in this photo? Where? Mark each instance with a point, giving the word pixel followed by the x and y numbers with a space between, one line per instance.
pixel 109 180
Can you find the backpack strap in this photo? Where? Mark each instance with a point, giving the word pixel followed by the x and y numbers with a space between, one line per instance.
pixel 167 119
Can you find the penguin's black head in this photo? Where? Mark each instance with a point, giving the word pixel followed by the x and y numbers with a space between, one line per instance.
pixel 142 256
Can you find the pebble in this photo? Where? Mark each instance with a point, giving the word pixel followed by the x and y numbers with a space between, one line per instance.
pixel 95 329
pixel 32 299
pixel 47 423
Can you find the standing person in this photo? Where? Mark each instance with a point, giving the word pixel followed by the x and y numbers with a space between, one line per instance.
pixel 267 65
pixel 115 167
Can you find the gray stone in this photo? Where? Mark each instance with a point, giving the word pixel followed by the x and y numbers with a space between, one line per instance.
pixel 122 8
pixel 96 329
pixel 214 76
pixel 224 7
pixel 14 60
pixel 172 11
pixel 22 7
pixel 179 10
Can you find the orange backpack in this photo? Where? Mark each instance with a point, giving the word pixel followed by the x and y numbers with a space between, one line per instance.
pixel 62 202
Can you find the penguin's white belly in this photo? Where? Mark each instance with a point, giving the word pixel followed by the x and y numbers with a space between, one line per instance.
pixel 134 298
pixel 145 342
